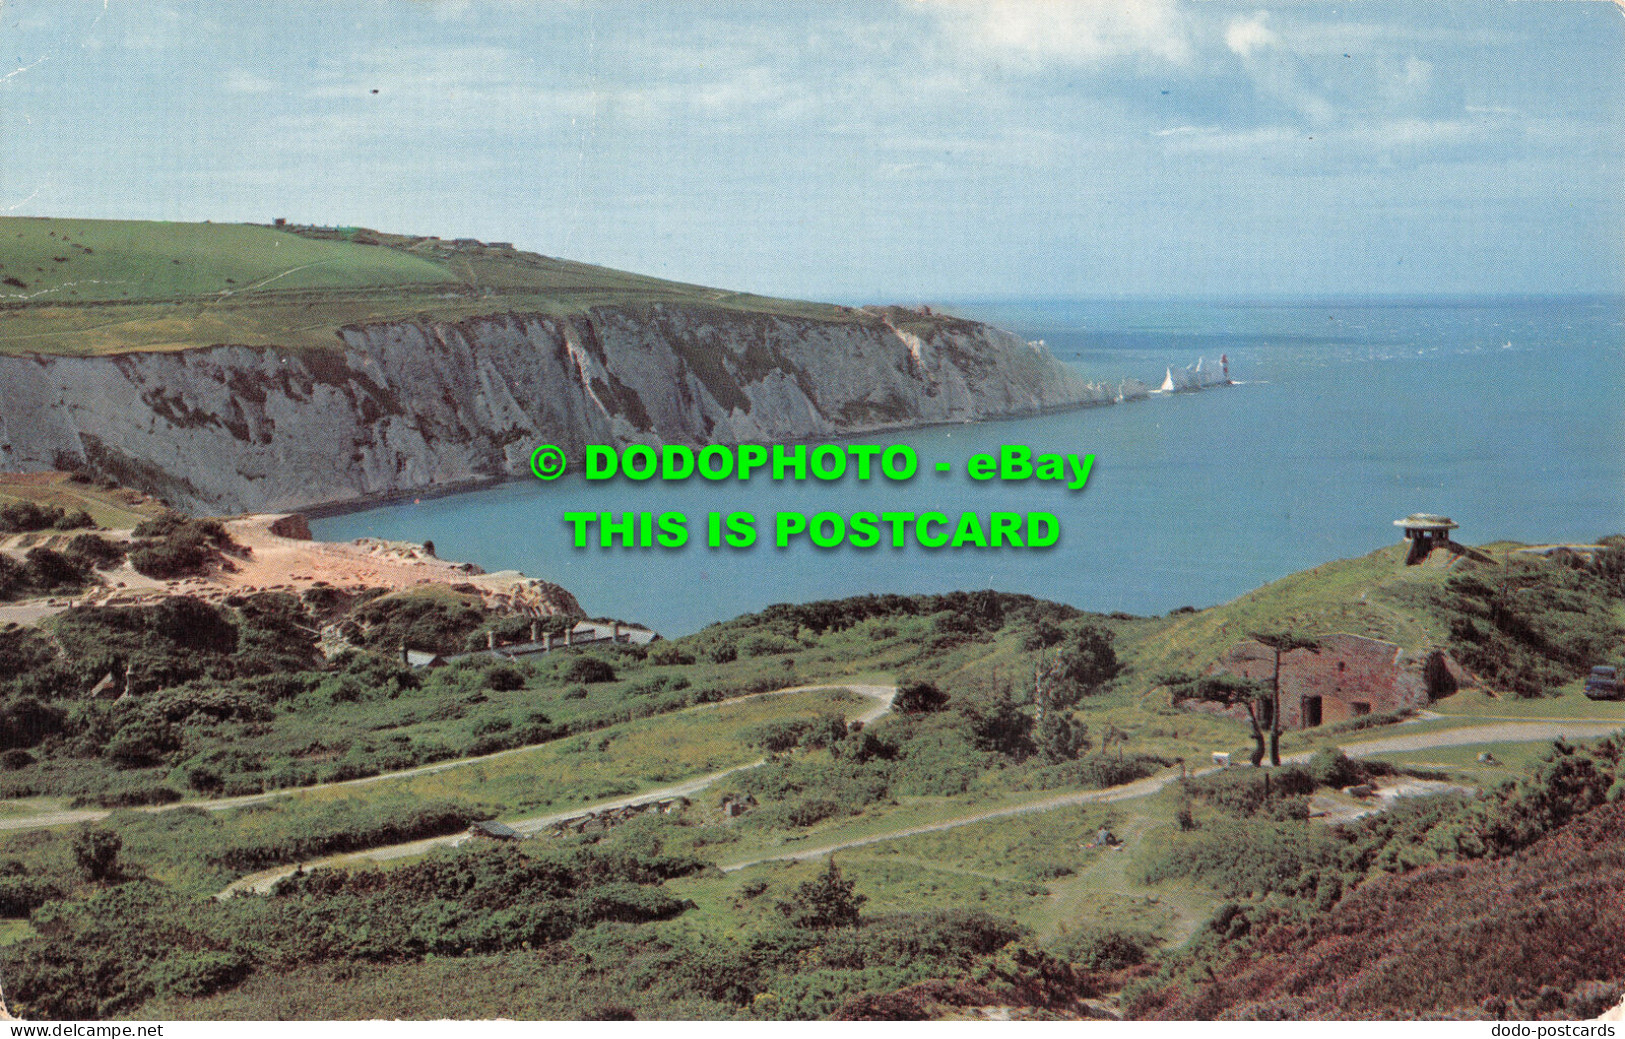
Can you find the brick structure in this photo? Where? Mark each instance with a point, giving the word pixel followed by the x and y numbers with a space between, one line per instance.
pixel 1346 677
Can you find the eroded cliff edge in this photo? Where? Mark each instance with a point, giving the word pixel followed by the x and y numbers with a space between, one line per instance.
pixel 410 406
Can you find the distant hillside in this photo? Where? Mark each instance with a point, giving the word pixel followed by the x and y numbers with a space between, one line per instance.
pixel 107 286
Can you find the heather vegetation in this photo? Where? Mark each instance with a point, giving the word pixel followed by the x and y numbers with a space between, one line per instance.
pixel 1371 918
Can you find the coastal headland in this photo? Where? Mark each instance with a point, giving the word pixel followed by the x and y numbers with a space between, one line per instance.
pixel 241 368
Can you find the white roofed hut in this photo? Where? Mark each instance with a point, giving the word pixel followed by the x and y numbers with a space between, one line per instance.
pixel 1425 532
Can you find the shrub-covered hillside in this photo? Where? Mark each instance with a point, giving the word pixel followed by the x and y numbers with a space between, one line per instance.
pixel 1524 623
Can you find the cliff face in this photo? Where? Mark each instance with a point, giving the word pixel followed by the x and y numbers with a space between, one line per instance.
pixel 409 406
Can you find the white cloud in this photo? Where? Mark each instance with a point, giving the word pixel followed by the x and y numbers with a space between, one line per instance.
pixel 1246 35
pixel 1074 31
pixel 241 81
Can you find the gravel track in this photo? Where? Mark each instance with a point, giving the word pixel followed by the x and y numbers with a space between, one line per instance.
pixel 260 883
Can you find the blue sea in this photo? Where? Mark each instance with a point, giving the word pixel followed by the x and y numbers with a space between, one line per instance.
pixel 1507 414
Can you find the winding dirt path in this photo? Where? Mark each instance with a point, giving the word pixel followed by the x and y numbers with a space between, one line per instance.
pixel 1138 788
pixel 1505 732
pixel 882 694
pixel 1500 732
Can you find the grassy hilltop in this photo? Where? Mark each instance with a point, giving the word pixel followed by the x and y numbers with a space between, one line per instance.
pixel 109 286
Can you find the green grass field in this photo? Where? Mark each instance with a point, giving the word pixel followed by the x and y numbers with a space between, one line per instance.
pixel 82 287
pixel 622 759
pixel 1036 869
pixel 1462 762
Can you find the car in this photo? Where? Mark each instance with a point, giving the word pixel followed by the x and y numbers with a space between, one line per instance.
pixel 1603 683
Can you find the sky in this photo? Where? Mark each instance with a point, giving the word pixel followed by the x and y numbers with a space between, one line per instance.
pixel 894 150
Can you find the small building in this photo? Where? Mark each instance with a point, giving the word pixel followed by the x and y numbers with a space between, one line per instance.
pixel 1425 532
pixel 587 633
pixel 490 829
pixel 584 633
pixel 417 659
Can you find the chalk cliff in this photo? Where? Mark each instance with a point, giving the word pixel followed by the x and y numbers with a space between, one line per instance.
pixel 410 406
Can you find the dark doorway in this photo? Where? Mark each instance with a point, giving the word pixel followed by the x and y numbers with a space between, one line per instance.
pixel 1311 711
pixel 1436 675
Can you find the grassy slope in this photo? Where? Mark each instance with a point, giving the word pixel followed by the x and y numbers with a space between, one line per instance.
pixel 1033 868
pixel 1357 596
pixel 112 508
pixel 110 286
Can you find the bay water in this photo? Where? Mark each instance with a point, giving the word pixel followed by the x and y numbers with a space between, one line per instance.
pixel 1507 414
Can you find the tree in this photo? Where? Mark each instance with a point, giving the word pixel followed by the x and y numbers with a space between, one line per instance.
pixel 1061 739
pixel 1112 735
pixel 96 853
pixel 1084 663
pixel 914 697
pixel 827 901
pixel 1079 668
pixel 1281 642
pixel 1237 692
pixel 1002 726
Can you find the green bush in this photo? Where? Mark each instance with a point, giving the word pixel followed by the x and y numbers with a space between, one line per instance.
pixel 173 546
pixel 827 901
pixel 105 955
pixel 50 571
pixel 917 697
pixel 92 551
pixel 96 853
pixel 1252 859
pixel 504 679
pixel 1276 792
pixel 1333 768
pixel 1103 949
pixel 25 516
pixel 21 894
pixel 1528 625
pixel 668 655
pixel 431 623
pixel 77 519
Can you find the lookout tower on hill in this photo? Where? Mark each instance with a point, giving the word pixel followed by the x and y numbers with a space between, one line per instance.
pixel 1425 532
